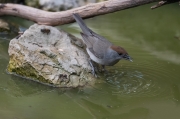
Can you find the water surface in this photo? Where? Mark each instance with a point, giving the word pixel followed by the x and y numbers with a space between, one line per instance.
pixel 148 88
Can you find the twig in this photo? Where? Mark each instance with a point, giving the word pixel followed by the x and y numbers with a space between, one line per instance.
pixel 164 2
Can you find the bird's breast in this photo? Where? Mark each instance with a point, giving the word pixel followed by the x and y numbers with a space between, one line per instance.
pixel 109 58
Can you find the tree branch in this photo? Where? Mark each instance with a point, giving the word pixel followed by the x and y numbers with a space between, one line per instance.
pixel 163 2
pixel 64 17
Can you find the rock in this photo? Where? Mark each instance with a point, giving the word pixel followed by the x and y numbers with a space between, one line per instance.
pixel 85 2
pixel 50 56
pixel 32 3
pixel 57 5
pixel 60 5
pixel 4 26
pixel 7 27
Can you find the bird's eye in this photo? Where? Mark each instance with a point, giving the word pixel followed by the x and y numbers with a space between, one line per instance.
pixel 126 56
pixel 120 53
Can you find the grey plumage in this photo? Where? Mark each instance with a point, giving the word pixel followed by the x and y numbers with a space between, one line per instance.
pixel 99 49
pixel 94 42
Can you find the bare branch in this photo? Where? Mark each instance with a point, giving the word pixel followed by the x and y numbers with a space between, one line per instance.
pixel 163 2
pixel 64 17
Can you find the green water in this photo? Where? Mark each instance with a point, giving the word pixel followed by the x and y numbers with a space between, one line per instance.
pixel 148 88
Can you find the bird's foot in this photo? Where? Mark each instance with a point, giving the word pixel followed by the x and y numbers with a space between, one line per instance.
pixel 92 68
pixel 103 69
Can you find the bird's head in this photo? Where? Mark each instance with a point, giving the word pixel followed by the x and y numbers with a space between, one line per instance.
pixel 122 52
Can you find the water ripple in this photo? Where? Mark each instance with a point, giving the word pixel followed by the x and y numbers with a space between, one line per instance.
pixel 134 83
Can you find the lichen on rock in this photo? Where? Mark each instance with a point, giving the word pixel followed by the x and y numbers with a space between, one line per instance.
pixel 50 56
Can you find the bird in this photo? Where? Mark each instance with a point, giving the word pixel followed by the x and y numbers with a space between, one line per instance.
pixel 99 49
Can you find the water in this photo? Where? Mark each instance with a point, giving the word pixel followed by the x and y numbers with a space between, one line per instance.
pixel 148 88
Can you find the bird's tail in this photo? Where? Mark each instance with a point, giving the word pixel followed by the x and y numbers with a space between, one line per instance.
pixel 81 23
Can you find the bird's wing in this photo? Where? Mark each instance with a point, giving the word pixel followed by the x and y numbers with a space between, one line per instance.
pixel 91 43
pixel 88 40
pixel 100 38
pixel 100 45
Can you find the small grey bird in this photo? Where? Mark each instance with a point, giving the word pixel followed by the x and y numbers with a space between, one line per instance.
pixel 99 49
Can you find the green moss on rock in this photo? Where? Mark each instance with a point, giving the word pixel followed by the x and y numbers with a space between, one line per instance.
pixel 25 70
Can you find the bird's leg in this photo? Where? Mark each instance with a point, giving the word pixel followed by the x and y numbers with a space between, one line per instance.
pixel 103 69
pixel 92 68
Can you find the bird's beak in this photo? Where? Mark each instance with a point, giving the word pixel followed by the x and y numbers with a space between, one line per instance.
pixel 130 60
pixel 127 57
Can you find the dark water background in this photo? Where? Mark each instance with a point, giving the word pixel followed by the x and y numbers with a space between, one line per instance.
pixel 148 88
